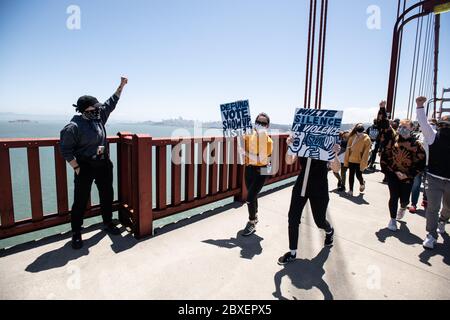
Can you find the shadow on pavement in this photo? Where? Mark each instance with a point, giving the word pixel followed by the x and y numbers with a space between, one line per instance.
pixel 403 234
pixel 359 199
pixel 441 249
pixel 250 246
pixel 62 256
pixel 305 274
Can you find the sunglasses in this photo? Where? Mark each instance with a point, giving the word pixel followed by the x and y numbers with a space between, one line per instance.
pixel 262 123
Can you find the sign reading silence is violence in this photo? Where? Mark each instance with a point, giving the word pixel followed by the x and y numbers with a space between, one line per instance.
pixel 315 132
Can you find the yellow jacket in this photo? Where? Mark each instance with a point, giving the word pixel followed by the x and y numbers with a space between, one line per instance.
pixel 358 151
pixel 258 149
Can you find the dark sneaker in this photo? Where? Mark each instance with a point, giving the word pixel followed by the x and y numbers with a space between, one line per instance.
pixel 249 229
pixel 111 228
pixel 329 238
pixel 77 242
pixel 288 257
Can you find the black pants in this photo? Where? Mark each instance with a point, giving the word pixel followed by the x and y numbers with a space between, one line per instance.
pixel 373 156
pixel 354 169
pixel 398 190
pixel 254 182
pixel 319 211
pixel 102 173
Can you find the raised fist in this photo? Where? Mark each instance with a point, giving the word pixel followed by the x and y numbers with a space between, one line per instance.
pixel 421 101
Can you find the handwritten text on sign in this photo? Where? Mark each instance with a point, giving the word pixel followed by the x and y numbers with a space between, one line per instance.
pixel 236 119
pixel 315 132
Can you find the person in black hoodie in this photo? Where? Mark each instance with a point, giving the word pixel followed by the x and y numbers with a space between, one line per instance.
pixel 85 147
pixel 438 175
pixel 317 194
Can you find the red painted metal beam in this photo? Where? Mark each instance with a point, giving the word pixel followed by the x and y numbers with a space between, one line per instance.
pixel 50 220
pixel 34 176
pixel 201 169
pixel 61 182
pixel 6 195
pixel 161 177
pixel 437 26
pixel 142 188
pixel 213 168
pixel 175 185
pixel 223 173
pixel 190 170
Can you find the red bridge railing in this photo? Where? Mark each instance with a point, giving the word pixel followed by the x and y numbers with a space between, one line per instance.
pixel 207 178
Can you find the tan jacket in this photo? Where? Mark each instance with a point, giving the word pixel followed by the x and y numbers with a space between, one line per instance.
pixel 358 152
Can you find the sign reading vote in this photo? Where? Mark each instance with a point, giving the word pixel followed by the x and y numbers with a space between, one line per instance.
pixel 315 132
pixel 236 120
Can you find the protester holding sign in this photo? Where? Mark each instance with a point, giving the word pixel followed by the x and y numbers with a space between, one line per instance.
pixel 236 119
pixel 258 149
pixel 402 159
pixel 317 194
pixel 314 144
pixel 438 186
pixel 357 156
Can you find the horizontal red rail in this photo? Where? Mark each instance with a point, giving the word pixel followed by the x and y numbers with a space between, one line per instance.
pixel 203 170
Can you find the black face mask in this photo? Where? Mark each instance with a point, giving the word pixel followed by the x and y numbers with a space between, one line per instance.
pixel 92 114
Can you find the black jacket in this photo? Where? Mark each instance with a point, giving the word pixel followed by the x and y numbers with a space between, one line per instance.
pixel 81 137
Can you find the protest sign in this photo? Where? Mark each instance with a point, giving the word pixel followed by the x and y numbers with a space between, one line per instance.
pixel 236 119
pixel 315 132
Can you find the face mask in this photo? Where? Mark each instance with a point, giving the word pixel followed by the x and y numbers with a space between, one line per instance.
pixel 404 132
pixel 93 114
pixel 260 128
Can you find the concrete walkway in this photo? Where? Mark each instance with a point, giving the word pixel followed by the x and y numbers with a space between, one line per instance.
pixel 209 259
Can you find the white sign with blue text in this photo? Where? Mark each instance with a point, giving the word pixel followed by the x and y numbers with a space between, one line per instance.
pixel 315 132
pixel 236 119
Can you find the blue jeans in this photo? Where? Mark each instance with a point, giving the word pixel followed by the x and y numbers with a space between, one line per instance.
pixel 415 192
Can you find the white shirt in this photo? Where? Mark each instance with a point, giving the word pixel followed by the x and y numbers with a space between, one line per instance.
pixel 429 134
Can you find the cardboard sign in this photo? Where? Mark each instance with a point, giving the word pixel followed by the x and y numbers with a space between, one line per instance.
pixel 236 119
pixel 315 133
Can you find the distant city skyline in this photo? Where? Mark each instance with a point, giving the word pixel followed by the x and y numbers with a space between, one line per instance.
pixel 186 57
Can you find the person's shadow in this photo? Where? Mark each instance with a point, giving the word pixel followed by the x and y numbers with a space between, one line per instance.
pixel 359 199
pixel 305 274
pixel 441 249
pixel 60 257
pixel 250 246
pixel 403 234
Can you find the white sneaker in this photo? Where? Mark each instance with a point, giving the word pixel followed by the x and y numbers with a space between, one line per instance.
pixel 429 242
pixel 362 188
pixel 401 213
pixel 441 227
pixel 392 225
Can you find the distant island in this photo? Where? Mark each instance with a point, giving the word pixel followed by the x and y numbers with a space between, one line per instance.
pixel 21 121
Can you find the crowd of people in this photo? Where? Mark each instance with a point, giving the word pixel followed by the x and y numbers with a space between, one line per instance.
pixel 411 155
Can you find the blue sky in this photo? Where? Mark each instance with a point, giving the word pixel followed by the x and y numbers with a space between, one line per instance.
pixel 186 57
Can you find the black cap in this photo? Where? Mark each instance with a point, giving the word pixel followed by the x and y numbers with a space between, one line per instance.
pixel 397 120
pixel 85 102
